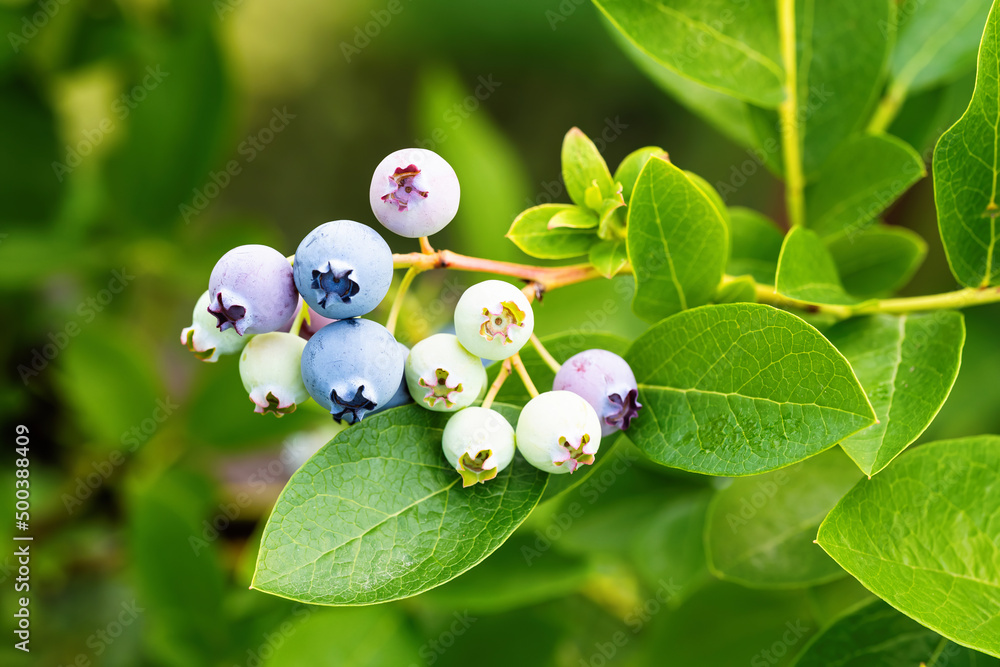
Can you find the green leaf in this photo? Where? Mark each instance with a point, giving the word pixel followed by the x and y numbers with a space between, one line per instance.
pixel 737 290
pixel 842 51
pixel 670 545
pixel 908 365
pixel 761 531
pixel 377 515
pixel 936 42
pixel 741 389
pixel 582 167
pixel 733 50
pixel 755 245
pixel 806 270
pixel 530 233
pixel 370 637
pixel 873 634
pixel 923 536
pixel 927 114
pixel 726 114
pixel 511 578
pixel 860 180
pixel 727 625
pixel 574 217
pixel 629 169
pixel 965 176
pixel 710 192
pixel 609 257
pixel 677 242
pixel 879 261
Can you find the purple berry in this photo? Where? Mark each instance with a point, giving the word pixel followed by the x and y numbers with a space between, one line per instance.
pixel 604 380
pixel 414 192
pixel 251 290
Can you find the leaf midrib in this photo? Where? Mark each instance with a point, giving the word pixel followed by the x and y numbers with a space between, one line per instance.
pixel 647 386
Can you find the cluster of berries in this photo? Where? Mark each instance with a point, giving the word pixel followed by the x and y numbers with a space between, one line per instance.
pixel 354 367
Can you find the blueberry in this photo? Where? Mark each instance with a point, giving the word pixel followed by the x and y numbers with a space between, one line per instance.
pixel 343 269
pixel 251 290
pixel 558 432
pixel 442 375
pixel 606 381
pixel 270 368
pixel 351 367
pixel 402 395
pixel 478 443
pixel 414 192
pixel 493 319
pixel 205 339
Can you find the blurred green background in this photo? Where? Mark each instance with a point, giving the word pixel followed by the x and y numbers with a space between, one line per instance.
pixel 141 139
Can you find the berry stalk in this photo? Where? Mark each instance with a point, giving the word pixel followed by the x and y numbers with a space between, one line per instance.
pixel 523 372
pixel 397 303
pixel 541 279
pixel 497 384
pixel 545 354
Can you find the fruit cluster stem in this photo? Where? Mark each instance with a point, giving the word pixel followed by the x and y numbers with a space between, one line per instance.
pixel 544 354
pixel 397 303
pixel 541 279
pixel 523 372
pixel 497 383
pixel 303 316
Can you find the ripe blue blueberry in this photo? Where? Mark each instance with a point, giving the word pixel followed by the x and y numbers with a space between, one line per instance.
pixel 493 319
pixel 414 192
pixel 478 443
pixel 558 432
pixel 402 395
pixel 205 339
pixel 270 368
pixel 604 380
pixel 442 375
pixel 351 367
pixel 251 290
pixel 343 269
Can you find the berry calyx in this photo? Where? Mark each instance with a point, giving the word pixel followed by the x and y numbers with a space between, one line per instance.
pixel 332 283
pixel 405 188
pixel 478 443
pixel 493 319
pixel 351 409
pixel 442 375
pixel 204 337
pixel 439 390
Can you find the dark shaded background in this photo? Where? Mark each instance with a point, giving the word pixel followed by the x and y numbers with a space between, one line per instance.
pixel 137 448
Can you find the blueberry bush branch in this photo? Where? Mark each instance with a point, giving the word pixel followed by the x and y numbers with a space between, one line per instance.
pixel 789 112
